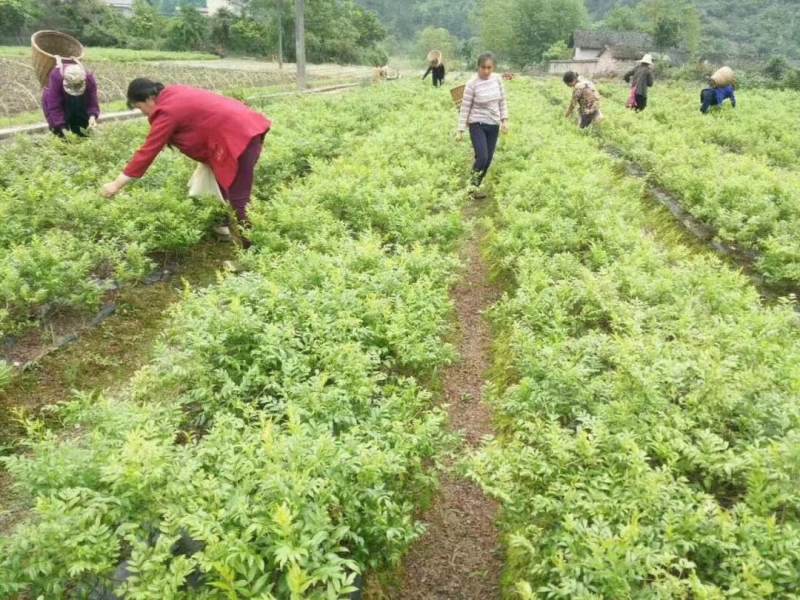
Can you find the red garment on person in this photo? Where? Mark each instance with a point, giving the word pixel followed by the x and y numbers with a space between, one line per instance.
pixel 206 127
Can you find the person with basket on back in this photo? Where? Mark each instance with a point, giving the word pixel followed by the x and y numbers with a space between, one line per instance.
pixel 641 79
pixel 484 111
pixel 721 88
pixel 435 67
pixel 70 100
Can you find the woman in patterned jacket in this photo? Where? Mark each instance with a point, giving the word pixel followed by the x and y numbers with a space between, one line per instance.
pixel 586 97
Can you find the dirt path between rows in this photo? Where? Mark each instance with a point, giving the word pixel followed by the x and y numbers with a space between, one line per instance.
pixel 460 555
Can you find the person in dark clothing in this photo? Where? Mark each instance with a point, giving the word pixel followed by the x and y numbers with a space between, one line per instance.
pixel 641 79
pixel 715 96
pixel 437 68
pixel 70 100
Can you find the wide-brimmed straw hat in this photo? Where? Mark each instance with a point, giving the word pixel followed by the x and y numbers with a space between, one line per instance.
pixel 647 59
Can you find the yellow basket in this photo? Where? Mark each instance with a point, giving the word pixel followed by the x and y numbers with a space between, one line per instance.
pixel 457 93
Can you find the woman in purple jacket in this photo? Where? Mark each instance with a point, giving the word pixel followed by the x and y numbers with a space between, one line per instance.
pixel 70 100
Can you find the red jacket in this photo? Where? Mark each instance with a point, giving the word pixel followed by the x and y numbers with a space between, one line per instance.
pixel 207 127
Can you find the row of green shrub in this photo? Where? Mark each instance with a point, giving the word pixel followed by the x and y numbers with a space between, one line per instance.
pixel 279 443
pixel 734 170
pixel 647 398
pixel 61 241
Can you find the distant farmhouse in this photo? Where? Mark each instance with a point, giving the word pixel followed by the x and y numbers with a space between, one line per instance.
pixel 605 52
pixel 124 6
pixel 212 6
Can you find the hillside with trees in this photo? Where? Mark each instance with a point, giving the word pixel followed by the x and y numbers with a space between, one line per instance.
pixel 748 28
pixel 522 32
pixel 406 19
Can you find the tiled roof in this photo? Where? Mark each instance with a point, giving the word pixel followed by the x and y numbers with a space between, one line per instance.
pixel 601 39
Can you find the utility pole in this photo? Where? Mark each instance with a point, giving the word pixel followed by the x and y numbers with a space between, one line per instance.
pixel 300 37
pixel 280 35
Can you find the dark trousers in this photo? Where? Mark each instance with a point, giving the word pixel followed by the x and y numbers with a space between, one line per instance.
pixel 438 81
pixel 78 123
pixel 77 115
pixel 242 187
pixel 708 98
pixel 484 141
pixel 641 102
pixel 587 120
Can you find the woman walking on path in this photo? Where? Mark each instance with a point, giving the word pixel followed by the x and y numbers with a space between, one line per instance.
pixel 219 132
pixel 70 101
pixel 485 111
pixel 641 79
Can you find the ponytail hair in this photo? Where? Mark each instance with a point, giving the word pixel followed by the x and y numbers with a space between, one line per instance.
pixel 486 57
pixel 142 89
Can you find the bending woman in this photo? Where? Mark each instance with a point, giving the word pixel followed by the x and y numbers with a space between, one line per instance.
pixel 217 131
pixel 70 99
pixel 485 111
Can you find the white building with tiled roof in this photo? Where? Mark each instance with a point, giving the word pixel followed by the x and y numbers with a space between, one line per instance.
pixel 124 6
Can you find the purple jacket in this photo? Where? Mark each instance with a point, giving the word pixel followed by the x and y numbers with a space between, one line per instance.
pixel 54 99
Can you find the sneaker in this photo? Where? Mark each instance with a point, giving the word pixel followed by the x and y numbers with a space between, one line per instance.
pixel 223 230
pixel 478 194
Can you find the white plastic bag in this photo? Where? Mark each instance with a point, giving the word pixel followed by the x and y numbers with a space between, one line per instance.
pixel 203 183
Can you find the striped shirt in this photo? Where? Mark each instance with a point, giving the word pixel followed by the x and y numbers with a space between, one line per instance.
pixel 484 102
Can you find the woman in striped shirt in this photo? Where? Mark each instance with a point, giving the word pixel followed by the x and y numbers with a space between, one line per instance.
pixel 485 111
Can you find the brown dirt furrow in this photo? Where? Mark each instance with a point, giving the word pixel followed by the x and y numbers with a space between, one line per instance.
pixel 460 556
pixel 101 358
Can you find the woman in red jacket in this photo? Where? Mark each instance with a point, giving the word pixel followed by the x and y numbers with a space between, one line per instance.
pixel 217 131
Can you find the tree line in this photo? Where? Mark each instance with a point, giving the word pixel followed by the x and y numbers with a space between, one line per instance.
pixel 336 30
pixel 521 32
pixel 525 32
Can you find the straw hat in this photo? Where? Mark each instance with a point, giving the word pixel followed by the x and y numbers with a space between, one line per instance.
pixel 74 80
pixel 647 59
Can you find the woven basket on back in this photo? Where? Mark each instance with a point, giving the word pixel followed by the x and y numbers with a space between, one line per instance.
pixel 46 45
pixel 434 57
pixel 724 76
pixel 457 93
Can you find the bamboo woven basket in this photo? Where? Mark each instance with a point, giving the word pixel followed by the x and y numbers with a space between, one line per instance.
pixel 724 76
pixel 49 44
pixel 457 93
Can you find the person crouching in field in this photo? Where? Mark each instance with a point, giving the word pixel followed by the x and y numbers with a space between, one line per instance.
pixel 485 111
pixel 716 96
pixel 586 97
pixel 219 132
pixel 70 101
pixel 641 79
pixel 436 67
